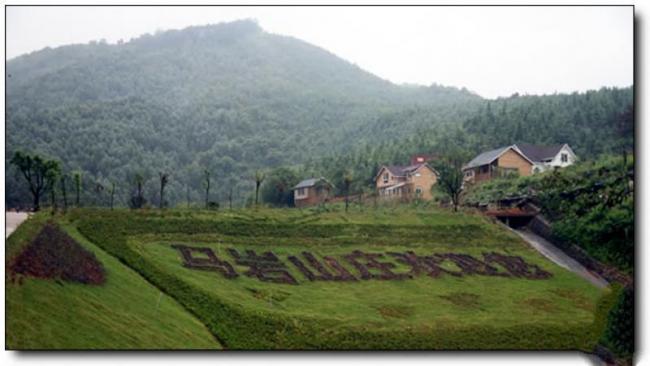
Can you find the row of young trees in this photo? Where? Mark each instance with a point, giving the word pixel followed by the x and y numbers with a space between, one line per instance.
pixel 42 175
pixel 45 176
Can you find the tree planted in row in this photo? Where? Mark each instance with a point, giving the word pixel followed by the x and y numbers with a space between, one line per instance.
pixel 62 180
pixel 164 179
pixel 450 175
pixel 137 198
pixel 259 179
pixel 347 182
pixel 112 192
pixel 40 173
pixel 206 184
pixel 77 183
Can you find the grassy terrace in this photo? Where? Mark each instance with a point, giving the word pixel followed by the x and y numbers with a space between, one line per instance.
pixel 126 312
pixel 473 311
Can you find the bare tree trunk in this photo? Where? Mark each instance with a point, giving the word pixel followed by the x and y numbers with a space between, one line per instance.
pixel 63 193
pixel 78 188
pixel 455 199
pixel 37 200
pixel 207 193
pixel 112 196
pixel 53 198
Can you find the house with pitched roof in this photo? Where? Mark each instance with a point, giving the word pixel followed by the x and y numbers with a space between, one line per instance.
pixel 519 159
pixel 312 191
pixel 406 182
pixel 546 157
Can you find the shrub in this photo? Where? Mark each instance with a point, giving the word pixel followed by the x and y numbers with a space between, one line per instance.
pixel 619 335
pixel 54 254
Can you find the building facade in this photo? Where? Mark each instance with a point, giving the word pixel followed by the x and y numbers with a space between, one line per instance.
pixel 520 159
pixel 406 182
pixel 312 191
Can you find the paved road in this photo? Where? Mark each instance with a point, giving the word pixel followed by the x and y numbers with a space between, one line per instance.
pixel 14 219
pixel 557 256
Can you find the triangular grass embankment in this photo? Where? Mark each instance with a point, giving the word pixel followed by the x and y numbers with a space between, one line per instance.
pixel 124 312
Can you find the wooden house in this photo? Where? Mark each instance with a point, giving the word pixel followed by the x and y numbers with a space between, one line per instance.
pixel 312 191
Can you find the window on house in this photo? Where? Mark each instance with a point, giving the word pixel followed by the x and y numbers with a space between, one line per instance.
pixel 485 169
pixel 418 191
pixel 301 191
pixel 564 158
pixel 385 177
pixel 468 173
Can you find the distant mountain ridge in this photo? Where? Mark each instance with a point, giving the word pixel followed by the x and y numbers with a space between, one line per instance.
pixel 203 59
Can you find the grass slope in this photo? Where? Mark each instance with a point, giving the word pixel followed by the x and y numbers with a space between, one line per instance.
pixel 472 312
pixel 124 313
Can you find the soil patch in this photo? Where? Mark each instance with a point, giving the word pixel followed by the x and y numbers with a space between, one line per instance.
pixel 395 311
pixel 463 299
pixel 54 254
pixel 577 298
pixel 277 296
pixel 539 304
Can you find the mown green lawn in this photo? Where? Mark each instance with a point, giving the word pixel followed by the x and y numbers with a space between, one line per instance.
pixel 422 301
pixel 471 312
pixel 126 312
pixel 197 307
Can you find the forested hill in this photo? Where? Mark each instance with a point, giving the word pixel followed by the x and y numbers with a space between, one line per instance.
pixel 230 98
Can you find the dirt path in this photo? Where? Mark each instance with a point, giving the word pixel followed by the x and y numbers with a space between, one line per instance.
pixel 557 256
pixel 14 219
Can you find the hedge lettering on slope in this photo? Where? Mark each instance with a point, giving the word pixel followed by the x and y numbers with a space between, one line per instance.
pixel 265 267
pixel 268 267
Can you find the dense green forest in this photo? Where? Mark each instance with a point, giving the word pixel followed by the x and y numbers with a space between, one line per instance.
pixel 234 99
pixel 589 122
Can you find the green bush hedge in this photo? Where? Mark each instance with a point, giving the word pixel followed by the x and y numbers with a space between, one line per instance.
pixel 619 335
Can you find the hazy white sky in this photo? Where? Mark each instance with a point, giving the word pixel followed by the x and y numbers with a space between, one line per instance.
pixel 494 51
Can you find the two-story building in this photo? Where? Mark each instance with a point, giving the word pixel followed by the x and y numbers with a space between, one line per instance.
pixel 406 182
